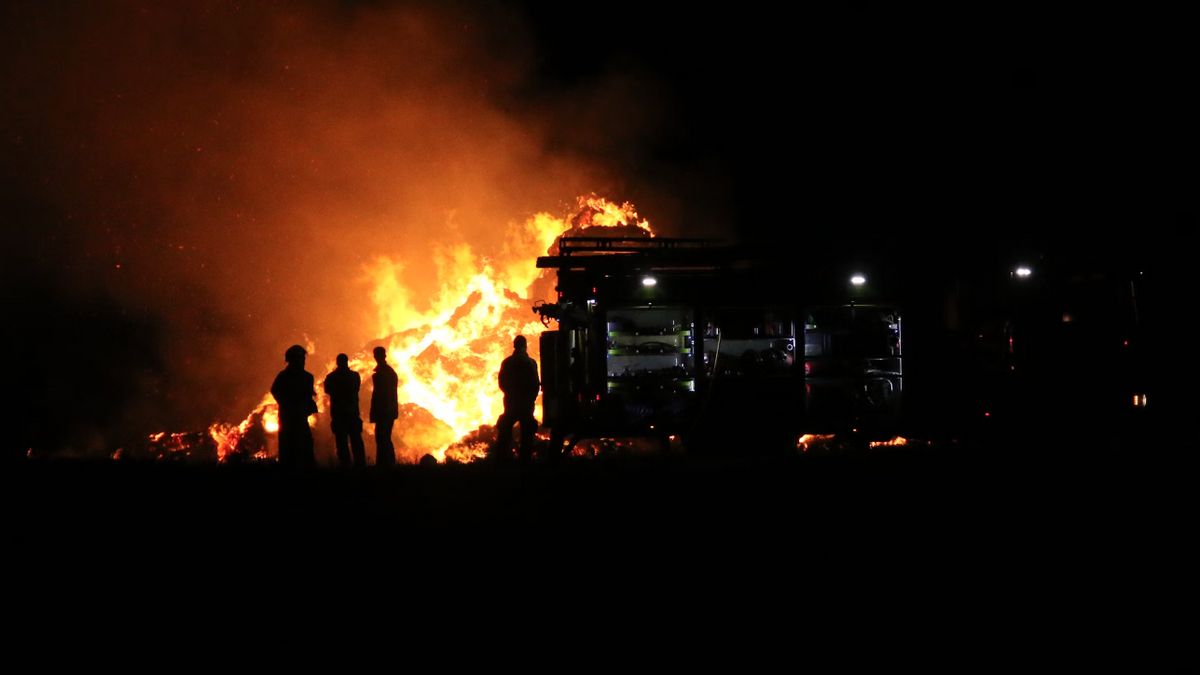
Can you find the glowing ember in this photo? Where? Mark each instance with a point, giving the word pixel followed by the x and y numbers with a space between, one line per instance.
pixel 179 446
pixel 808 441
pixel 898 440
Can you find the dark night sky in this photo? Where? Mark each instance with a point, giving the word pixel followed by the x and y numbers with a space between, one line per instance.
pixel 917 141
pixel 929 130
pixel 932 130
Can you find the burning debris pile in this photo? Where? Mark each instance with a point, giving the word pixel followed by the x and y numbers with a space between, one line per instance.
pixel 248 440
pixel 251 440
pixel 446 354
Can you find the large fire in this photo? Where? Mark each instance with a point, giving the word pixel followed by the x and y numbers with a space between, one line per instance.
pixel 447 353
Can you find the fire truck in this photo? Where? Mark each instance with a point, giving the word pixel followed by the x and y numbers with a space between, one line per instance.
pixel 713 345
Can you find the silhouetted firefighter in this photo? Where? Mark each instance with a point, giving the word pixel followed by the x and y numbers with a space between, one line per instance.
pixel 342 387
pixel 520 384
pixel 385 408
pixel 293 391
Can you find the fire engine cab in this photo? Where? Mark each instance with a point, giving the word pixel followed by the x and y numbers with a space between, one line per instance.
pixel 713 345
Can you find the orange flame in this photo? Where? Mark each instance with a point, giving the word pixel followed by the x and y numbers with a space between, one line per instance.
pixel 448 354
pixel 596 211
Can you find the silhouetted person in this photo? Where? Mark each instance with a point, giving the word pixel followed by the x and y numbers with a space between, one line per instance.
pixel 385 408
pixel 293 391
pixel 520 384
pixel 342 386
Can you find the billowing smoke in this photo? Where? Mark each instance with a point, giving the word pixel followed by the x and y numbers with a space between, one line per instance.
pixel 192 187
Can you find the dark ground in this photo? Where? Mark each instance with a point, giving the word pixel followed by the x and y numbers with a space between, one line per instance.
pixel 964 498
pixel 1001 550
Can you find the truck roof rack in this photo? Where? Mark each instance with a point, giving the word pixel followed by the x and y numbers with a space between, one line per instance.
pixel 597 252
pixel 576 245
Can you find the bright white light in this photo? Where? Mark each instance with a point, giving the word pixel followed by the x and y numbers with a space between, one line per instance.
pixel 858 280
pixel 1023 271
pixel 649 281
